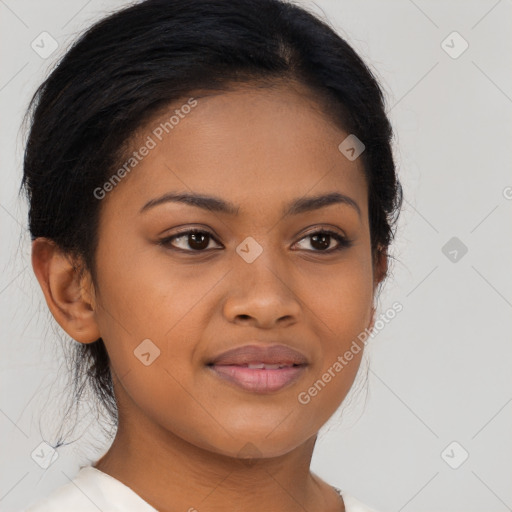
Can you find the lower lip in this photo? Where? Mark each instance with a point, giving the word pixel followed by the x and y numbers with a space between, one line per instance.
pixel 259 380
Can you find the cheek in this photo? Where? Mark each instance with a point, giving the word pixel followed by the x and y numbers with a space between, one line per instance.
pixel 146 295
pixel 340 299
pixel 341 313
pixel 149 322
pixel 151 316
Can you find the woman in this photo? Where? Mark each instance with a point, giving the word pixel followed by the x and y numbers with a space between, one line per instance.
pixel 212 198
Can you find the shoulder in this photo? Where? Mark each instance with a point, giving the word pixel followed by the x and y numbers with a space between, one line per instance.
pixel 91 490
pixel 352 504
pixel 76 495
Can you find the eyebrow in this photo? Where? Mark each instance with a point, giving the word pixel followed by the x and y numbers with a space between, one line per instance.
pixel 295 207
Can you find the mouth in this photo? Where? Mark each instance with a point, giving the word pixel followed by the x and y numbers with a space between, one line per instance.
pixel 259 369
pixel 245 355
pixel 259 377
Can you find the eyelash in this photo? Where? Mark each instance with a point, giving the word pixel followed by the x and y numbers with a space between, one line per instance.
pixel 343 243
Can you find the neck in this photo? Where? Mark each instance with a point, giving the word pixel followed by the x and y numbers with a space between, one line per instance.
pixel 172 474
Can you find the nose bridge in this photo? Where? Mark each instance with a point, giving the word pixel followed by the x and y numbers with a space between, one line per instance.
pixel 259 262
pixel 261 284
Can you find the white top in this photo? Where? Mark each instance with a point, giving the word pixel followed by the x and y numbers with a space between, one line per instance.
pixel 92 490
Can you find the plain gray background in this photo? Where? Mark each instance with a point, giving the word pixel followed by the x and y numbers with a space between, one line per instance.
pixel 440 371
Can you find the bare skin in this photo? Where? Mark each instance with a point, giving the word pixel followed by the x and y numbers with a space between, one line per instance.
pixel 183 431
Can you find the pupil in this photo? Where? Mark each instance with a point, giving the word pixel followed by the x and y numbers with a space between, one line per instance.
pixel 323 241
pixel 197 240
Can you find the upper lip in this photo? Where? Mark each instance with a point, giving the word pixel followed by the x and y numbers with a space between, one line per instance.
pixel 269 354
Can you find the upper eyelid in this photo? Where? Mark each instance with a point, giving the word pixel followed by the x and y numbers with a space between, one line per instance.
pixel 192 230
pixel 314 230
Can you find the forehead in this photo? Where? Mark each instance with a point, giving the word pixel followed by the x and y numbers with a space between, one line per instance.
pixel 251 146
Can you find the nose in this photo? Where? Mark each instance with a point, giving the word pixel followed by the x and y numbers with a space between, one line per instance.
pixel 261 295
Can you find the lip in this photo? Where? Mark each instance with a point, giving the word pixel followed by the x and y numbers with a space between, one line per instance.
pixel 282 366
pixel 271 354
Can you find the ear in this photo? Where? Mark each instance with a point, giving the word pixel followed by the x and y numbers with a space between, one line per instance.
pixel 380 272
pixel 70 296
pixel 380 266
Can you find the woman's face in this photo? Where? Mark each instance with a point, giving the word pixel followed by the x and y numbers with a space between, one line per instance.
pixel 255 277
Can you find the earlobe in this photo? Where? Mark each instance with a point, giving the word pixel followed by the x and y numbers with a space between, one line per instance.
pixel 68 295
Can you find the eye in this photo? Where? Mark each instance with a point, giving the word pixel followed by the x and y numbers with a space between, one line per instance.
pixel 321 241
pixel 197 240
